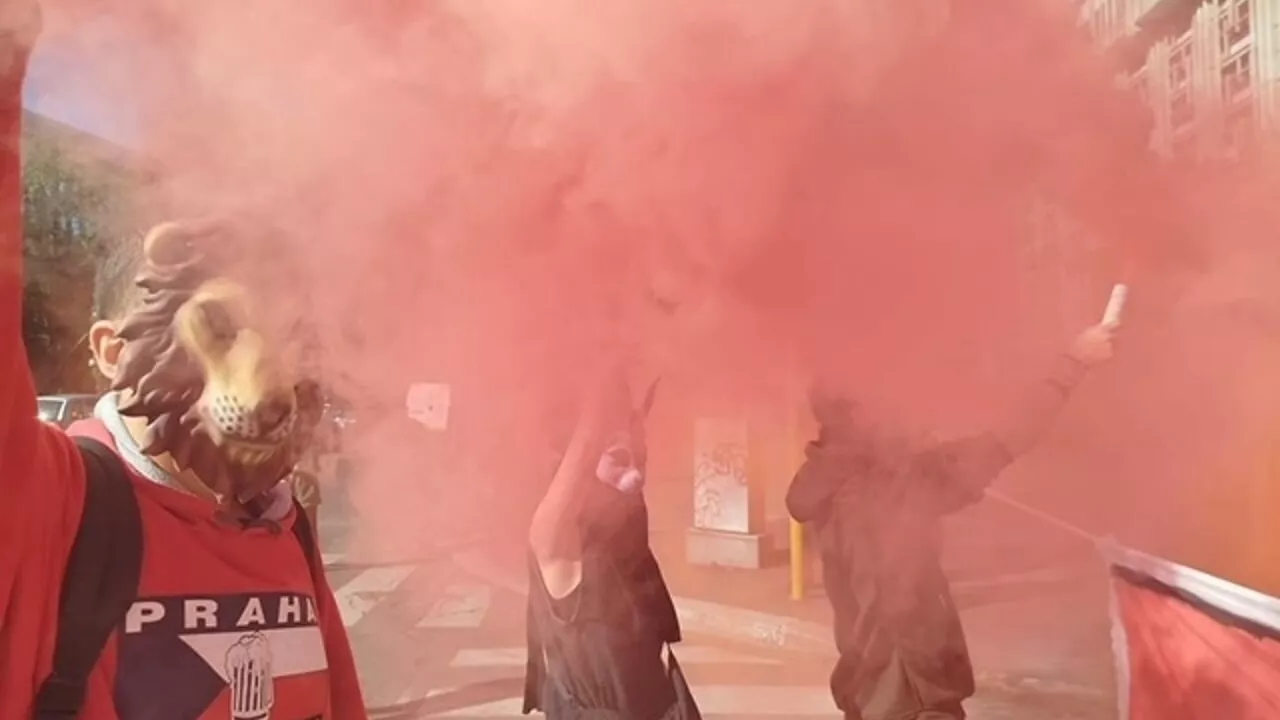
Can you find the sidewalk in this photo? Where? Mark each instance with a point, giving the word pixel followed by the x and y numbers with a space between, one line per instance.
pixel 1034 604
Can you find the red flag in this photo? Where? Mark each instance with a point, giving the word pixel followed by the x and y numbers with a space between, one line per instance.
pixel 1191 646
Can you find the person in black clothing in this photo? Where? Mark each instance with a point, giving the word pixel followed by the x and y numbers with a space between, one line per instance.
pixel 599 612
pixel 876 507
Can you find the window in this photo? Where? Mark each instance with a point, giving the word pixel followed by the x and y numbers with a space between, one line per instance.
pixel 1138 84
pixel 1180 63
pixel 1240 126
pixel 1184 145
pixel 1235 28
pixel 1182 113
pixel 1104 21
pixel 1181 110
pixel 1237 76
pixel 1235 23
pixel 1108 20
pixel 50 409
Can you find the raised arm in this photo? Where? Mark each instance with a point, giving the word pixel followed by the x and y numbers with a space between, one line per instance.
pixel 553 533
pixel 40 471
pixel 1041 407
pixel 957 473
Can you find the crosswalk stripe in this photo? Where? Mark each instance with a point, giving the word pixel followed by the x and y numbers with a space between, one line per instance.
pixel 357 597
pixel 490 657
pixel 686 654
pixel 463 606
pixel 713 700
pixel 413 694
pixel 764 700
pixel 693 654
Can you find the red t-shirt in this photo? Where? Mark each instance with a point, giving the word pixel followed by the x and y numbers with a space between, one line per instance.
pixel 225 616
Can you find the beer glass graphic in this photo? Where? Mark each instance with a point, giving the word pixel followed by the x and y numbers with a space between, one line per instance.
pixel 249 676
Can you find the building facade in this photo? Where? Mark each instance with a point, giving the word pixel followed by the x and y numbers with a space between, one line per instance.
pixel 1209 69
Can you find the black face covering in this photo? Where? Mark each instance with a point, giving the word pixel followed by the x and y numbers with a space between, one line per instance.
pixel 615 522
pixel 614 518
pixel 831 410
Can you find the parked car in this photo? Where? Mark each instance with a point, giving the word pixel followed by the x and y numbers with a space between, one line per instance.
pixel 62 410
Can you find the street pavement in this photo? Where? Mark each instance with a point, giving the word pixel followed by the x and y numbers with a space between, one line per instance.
pixel 449 641
pixel 437 640
pixel 438 633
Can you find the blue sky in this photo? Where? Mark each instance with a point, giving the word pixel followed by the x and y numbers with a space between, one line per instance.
pixel 65 82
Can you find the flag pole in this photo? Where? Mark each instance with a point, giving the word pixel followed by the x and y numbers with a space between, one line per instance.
pixel 1046 517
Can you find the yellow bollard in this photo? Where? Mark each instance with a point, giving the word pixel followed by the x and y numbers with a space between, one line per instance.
pixel 797 560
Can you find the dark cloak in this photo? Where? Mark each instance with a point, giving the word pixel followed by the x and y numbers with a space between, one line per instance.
pixel 877 506
pixel 622 593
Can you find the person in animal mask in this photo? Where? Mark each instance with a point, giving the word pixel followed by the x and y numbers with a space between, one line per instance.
pixel 876 504
pixel 197 429
pixel 599 611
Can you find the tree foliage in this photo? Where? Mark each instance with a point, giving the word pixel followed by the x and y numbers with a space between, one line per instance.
pixel 65 208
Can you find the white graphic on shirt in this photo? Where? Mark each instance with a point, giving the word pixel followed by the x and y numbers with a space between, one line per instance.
pixel 246 645
pixel 248 669
pixel 292 651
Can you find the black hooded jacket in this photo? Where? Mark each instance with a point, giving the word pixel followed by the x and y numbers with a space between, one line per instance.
pixel 877 512
pixel 877 507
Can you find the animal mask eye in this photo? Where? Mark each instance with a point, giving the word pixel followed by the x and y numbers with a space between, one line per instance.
pixel 219 322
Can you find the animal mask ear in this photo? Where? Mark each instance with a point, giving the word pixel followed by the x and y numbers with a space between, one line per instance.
pixel 172 243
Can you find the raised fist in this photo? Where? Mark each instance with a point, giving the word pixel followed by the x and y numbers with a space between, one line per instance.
pixel 1095 345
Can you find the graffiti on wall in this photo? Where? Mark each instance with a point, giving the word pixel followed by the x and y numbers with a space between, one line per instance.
pixel 720 493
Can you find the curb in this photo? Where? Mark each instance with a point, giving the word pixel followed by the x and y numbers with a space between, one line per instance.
pixel 338 561
pixel 703 617
pixel 755 627
pixel 776 632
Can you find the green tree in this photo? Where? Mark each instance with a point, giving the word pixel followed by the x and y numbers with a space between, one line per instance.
pixel 65 209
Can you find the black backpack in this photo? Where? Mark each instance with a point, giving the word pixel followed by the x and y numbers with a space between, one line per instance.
pixel 102 576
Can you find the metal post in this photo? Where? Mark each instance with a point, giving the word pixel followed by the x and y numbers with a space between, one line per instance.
pixel 797 560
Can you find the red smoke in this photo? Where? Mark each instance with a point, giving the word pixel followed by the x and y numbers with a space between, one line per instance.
pixel 484 190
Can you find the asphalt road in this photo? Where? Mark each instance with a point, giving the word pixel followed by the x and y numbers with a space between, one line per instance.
pixel 437 635
pixel 440 639
pixel 444 639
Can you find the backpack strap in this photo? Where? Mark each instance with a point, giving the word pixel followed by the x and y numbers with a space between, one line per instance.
pixel 100 582
pixel 307 539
